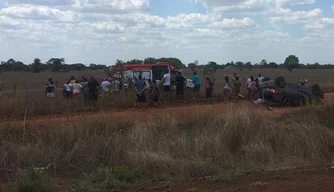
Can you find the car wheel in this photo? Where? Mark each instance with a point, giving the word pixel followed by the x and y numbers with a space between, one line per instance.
pixel 316 90
pixel 280 82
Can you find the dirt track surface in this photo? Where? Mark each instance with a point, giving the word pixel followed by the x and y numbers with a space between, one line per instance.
pixel 178 112
pixel 318 180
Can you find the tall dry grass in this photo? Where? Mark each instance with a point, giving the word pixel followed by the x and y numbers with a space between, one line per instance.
pixel 199 145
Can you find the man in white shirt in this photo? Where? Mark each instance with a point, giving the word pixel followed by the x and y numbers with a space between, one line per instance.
pixel 115 85
pixel 166 84
pixel 68 90
pixel 260 78
pixel 105 86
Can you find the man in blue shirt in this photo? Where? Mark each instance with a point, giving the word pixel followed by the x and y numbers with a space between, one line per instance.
pixel 197 82
pixel 140 87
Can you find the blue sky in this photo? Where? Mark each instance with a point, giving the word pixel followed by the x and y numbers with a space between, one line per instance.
pixel 99 31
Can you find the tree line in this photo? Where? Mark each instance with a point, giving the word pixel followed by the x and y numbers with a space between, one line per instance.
pixel 59 65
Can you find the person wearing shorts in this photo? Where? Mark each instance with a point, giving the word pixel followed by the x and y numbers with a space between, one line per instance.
pixel 50 88
pixel 76 89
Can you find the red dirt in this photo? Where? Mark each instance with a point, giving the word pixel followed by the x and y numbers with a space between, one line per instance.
pixel 317 180
pixel 176 111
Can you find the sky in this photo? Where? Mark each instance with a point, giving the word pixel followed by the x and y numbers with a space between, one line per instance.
pixel 101 31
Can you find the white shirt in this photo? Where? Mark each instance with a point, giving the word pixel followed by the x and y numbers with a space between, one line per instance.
pixel 249 81
pixel 167 79
pixel 260 79
pixel 115 85
pixel 105 85
pixel 226 85
pixel 68 86
pixel 76 88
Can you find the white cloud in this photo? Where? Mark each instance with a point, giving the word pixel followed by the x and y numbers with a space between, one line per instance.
pixel 103 31
pixel 39 13
pixel 295 2
pixel 288 16
pixel 234 23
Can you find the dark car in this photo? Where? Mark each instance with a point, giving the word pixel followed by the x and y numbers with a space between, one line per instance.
pixel 290 94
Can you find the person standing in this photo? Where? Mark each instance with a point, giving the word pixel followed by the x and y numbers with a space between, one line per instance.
pixel 226 90
pixel 236 89
pixel 260 78
pixel 258 82
pixel 180 81
pixel 253 90
pixel 197 84
pixel 249 83
pixel 50 88
pixel 115 88
pixel 93 88
pixel 208 88
pixel 68 90
pixel 105 87
pixel 140 87
pixel 46 85
pixel 76 89
pixel 85 89
pixel 166 85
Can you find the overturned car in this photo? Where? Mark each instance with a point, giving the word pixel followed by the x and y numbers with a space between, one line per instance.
pixel 290 94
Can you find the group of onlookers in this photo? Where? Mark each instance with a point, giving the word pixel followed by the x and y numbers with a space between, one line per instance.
pixel 89 89
pixel 76 89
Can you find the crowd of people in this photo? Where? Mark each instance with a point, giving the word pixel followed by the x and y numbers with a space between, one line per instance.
pixel 155 91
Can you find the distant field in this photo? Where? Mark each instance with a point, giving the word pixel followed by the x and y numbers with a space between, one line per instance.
pixel 29 81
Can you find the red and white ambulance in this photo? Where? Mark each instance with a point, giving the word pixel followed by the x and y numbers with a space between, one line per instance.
pixel 147 71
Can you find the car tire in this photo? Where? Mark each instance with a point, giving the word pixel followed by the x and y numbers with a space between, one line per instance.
pixel 316 89
pixel 280 82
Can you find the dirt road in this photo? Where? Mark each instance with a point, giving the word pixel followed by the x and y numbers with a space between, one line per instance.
pixel 177 112
pixel 315 180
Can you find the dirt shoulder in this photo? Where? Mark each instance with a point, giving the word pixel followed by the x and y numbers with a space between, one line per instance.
pixel 313 180
pixel 177 112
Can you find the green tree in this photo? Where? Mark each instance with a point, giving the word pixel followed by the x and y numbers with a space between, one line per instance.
pixel 119 63
pixel 291 62
pixel 273 65
pixel 213 66
pixel 57 63
pixel 135 61
pixel 36 66
pixel 192 66
pixel 150 60
pixel 263 63
pixel 239 64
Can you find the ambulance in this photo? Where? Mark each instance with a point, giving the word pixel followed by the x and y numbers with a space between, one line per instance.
pixel 148 71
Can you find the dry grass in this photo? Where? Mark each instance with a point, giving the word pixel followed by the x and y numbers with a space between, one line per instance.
pixel 199 145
